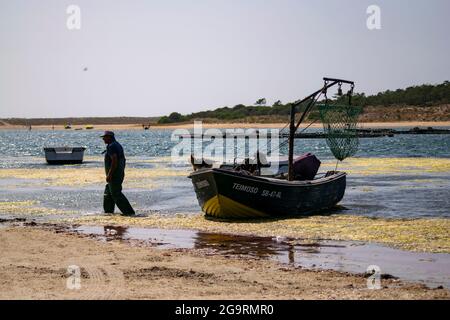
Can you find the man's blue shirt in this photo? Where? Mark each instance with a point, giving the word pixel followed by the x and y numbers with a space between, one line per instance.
pixel 111 149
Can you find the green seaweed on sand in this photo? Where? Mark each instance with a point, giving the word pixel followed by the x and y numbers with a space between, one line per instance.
pixel 23 208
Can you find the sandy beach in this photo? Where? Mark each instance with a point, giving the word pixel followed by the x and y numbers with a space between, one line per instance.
pixel 36 258
pixel 402 124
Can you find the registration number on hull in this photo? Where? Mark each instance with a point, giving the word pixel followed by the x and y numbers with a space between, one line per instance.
pixel 255 190
pixel 202 184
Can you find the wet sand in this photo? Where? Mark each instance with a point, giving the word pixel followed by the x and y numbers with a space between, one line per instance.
pixel 400 124
pixel 35 261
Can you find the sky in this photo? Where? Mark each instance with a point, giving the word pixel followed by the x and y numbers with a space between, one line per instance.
pixel 150 58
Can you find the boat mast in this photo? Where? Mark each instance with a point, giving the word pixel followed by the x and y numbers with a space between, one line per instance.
pixel 291 144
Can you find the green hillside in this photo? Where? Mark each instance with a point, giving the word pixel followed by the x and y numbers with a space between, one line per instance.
pixel 424 95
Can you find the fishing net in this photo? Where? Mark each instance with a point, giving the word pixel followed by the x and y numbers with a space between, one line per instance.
pixel 340 124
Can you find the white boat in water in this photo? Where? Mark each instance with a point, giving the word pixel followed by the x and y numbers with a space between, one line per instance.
pixel 64 155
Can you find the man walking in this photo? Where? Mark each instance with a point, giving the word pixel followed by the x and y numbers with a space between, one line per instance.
pixel 115 173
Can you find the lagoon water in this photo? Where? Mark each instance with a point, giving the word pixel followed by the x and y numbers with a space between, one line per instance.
pixel 21 144
pixel 401 176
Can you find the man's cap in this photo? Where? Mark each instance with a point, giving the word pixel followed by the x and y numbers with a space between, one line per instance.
pixel 107 133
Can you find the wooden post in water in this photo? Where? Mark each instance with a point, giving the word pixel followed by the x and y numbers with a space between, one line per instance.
pixel 291 144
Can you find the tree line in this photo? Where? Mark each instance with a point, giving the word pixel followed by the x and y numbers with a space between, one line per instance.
pixel 423 95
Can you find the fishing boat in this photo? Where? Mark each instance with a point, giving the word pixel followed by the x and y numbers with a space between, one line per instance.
pixel 64 155
pixel 229 192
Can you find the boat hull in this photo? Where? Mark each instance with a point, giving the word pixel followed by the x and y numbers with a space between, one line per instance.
pixel 231 195
pixel 64 155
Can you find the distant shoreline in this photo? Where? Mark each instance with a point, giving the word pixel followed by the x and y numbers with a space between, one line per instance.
pixel 399 124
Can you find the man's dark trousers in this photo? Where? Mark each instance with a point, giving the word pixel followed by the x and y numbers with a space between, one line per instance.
pixel 113 196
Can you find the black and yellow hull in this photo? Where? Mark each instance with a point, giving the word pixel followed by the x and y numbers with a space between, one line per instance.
pixel 227 194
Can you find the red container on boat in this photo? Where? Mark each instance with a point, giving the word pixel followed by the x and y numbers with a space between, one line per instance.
pixel 306 167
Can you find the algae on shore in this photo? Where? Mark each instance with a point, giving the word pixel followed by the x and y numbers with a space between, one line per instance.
pixel 24 208
pixel 79 176
pixel 390 166
pixel 136 178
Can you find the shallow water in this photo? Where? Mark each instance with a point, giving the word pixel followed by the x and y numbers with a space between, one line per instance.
pixel 403 176
pixel 427 268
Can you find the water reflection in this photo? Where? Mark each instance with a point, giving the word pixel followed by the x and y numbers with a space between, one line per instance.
pixel 285 250
pixel 116 232
pixel 258 247
pixel 345 256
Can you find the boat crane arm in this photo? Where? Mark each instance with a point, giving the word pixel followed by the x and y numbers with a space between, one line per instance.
pixel 328 83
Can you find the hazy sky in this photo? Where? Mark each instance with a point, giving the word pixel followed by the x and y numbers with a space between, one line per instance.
pixel 149 58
